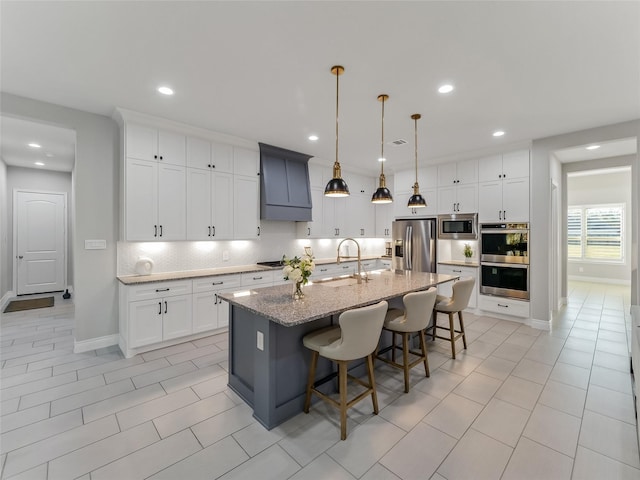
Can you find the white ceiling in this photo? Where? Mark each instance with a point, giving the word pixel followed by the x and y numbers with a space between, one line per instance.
pixel 261 70
pixel 579 153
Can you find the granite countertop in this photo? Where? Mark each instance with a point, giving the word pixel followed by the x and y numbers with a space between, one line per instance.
pixel 327 298
pixel 209 272
pixel 458 263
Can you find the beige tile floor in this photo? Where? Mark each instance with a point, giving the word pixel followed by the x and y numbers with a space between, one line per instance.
pixel 518 404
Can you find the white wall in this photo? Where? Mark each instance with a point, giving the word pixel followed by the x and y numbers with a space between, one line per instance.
pixel 541 246
pixel 95 188
pixel 43 180
pixel 5 278
pixel 595 190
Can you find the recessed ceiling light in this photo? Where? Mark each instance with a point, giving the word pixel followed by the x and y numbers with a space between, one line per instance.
pixel 593 147
pixel 165 90
pixel 34 145
pixel 40 164
pixel 49 155
pixel 446 88
pixel 498 133
pixel 382 159
pixel 313 138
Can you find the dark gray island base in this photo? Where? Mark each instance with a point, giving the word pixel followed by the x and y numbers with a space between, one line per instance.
pixel 268 365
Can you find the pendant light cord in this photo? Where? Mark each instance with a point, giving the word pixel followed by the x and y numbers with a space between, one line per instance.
pixel 415 138
pixel 337 96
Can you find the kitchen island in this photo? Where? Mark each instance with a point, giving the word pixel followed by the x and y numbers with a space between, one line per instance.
pixel 268 365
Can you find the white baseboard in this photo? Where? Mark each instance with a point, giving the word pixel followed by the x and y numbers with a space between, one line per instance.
pixel 609 281
pixel 539 324
pixel 5 299
pixel 95 343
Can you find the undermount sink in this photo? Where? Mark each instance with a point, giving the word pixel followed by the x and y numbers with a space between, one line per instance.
pixel 338 282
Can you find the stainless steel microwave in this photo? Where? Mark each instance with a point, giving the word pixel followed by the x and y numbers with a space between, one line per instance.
pixel 458 226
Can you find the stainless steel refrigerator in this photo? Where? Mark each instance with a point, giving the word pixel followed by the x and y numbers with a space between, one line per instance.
pixel 414 245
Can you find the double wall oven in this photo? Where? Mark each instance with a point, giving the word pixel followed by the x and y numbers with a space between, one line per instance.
pixel 504 260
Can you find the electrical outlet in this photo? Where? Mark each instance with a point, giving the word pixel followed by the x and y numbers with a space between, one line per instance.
pixel 225 256
pixel 260 340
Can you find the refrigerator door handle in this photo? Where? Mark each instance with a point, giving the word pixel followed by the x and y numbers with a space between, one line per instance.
pixel 408 247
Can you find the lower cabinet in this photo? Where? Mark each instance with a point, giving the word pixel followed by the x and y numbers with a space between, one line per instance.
pixel 209 310
pixel 504 306
pixel 446 289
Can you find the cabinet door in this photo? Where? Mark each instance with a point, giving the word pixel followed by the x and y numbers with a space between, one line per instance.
pixel 490 201
pixel 222 206
pixel 205 312
pixel 318 176
pixel 400 209
pixel 445 289
pixel 145 322
pixel 515 164
pixel 446 174
pixel 171 148
pixel 198 204
pixel 141 202
pixel 222 157
pixel 340 215
pixel 384 219
pixel 467 172
pixel 515 199
pixel 314 228
pixel 447 200
pixel 176 316
pixel 467 198
pixel 490 168
pixel 359 217
pixel 431 197
pixel 428 178
pixel 246 207
pixel 222 308
pixel 246 162
pixel 141 142
pixel 198 153
pixel 403 182
pixel 329 228
pixel 172 202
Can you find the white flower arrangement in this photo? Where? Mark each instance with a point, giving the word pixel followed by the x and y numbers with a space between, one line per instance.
pixel 298 269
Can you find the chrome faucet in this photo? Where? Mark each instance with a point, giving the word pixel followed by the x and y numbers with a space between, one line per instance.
pixel 360 270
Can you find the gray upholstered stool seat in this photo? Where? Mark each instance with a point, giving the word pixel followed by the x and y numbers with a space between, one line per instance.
pixel 355 338
pixel 418 307
pixel 458 301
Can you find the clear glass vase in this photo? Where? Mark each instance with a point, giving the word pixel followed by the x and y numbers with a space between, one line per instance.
pixel 297 291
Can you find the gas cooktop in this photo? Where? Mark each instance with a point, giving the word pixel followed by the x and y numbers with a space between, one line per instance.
pixel 274 263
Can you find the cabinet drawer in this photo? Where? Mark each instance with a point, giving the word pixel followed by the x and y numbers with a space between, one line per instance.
pixel 258 278
pixel 150 291
pixel 209 284
pixel 505 306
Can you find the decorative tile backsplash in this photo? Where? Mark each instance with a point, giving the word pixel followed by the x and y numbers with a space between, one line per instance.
pixel 277 238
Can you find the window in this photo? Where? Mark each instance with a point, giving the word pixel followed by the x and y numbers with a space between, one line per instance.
pixel 595 232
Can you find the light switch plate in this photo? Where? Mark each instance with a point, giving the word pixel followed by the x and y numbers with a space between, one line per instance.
pixel 95 244
pixel 260 340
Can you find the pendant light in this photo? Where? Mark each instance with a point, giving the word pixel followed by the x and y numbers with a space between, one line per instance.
pixel 382 194
pixel 337 187
pixel 416 200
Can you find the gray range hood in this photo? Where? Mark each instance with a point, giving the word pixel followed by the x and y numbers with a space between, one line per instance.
pixel 284 184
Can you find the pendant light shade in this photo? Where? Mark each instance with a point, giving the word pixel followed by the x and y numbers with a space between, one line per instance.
pixel 337 187
pixel 416 200
pixel 382 194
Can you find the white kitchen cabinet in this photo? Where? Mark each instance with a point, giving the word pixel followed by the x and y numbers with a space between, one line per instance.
pixel 460 173
pixel 504 306
pixel 210 312
pixel 384 219
pixel 246 207
pixel 155 201
pixel 504 200
pixel 314 228
pixel 246 162
pixel 333 216
pixel 222 157
pixel 504 166
pixel 155 313
pixel 403 181
pixel 359 216
pixel 458 199
pixel 209 205
pixel 446 289
pixel 198 153
pixel 148 143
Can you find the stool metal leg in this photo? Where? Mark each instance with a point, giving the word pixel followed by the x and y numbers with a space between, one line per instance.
pixel 453 335
pixel 342 374
pixel 405 360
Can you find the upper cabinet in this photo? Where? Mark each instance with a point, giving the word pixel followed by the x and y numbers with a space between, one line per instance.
pixel 208 155
pixel 504 188
pixel 147 143
pixel 460 173
pixel 505 166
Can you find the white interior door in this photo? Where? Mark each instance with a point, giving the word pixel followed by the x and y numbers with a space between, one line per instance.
pixel 40 241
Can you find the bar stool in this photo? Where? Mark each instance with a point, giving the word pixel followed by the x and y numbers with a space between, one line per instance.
pixel 415 317
pixel 356 337
pixel 458 301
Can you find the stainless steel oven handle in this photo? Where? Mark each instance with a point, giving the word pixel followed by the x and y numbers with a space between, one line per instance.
pixel 498 230
pixel 505 265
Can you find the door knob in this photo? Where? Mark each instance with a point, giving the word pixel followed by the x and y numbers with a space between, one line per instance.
pixel 20 256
